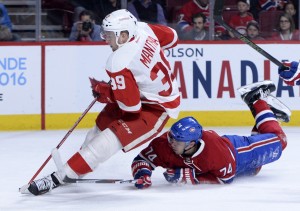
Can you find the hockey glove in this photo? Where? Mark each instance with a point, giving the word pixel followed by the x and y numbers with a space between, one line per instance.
pixel 291 76
pixel 102 91
pixel 141 171
pixel 181 175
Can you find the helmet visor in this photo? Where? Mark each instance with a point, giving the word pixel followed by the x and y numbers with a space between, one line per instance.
pixel 107 35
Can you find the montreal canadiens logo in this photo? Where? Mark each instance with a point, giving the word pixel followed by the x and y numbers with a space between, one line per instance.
pixel 192 129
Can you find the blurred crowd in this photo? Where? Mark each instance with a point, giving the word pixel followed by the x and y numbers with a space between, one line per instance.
pixel 255 19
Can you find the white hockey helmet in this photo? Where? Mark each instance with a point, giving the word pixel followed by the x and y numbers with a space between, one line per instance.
pixel 120 20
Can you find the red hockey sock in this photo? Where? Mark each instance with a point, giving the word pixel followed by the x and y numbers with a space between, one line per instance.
pixel 78 164
pixel 268 124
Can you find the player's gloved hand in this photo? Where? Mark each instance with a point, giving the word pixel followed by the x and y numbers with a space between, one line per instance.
pixel 290 75
pixel 102 91
pixel 141 171
pixel 181 175
pixel 143 182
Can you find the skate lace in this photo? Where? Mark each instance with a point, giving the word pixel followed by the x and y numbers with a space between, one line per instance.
pixel 264 94
pixel 44 184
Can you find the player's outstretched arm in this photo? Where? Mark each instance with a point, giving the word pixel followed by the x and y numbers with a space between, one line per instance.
pixel 291 76
pixel 141 171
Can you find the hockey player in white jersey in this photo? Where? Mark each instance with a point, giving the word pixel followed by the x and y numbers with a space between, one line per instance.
pixel 142 96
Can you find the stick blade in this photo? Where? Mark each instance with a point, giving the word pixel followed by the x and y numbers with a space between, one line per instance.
pixel 24 189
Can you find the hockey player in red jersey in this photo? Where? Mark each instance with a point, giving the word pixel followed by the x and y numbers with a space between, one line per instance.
pixel 142 96
pixel 191 8
pixel 193 155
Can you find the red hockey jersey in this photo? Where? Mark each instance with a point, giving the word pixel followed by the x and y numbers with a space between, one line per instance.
pixel 186 16
pixel 240 23
pixel 214 162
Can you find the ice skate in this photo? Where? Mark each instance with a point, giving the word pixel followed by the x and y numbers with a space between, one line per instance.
pixel 261 90
pixel 281 111
pixel 45 184
pixel 251 92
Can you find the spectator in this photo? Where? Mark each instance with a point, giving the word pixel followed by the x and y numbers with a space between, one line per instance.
pixel 290 9
pixel 81 5
pixel 198 32
pixel 147 11
pixel 286 28
pixel 272 4
pixel 100 7
pixel 85 29
pixel 185 22
pixel 5 34
pixel 107 7
pixel 252 31
pixel 4 18
pixel 239 21
pixel 255 9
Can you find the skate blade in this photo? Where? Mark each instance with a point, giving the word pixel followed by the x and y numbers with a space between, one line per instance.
pixel 24 189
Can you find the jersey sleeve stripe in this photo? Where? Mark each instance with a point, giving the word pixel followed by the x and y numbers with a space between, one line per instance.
pixel 135 108
pixel 174 41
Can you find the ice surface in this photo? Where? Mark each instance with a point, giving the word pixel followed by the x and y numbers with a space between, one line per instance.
pixel 275 188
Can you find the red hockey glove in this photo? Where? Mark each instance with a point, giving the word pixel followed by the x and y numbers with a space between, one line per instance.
pixel 141 171
pixel 181 175
pixel 291 75
pixel 102 91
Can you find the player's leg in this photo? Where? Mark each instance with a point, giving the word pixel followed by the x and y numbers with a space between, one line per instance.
pixel 90 135
pixel 111 112
pixel 78 164
pixel 100 148
pixel 253 152
pixel 258 150
pixel 134 130
pixel 266 121
pixel 126 133
pixel 266 109
pixel 252 92
pixel 254 130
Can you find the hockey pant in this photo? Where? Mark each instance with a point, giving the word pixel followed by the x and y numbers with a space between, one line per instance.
pixel 252 152
pixel 123 133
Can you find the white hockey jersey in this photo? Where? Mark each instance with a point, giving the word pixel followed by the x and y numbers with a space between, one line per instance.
pixel 140 72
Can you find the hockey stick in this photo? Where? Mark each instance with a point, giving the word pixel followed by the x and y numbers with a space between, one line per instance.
pixel 64 139
pixel 24 189
pixel 59 164
pixel 103 181
pixel 218 9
